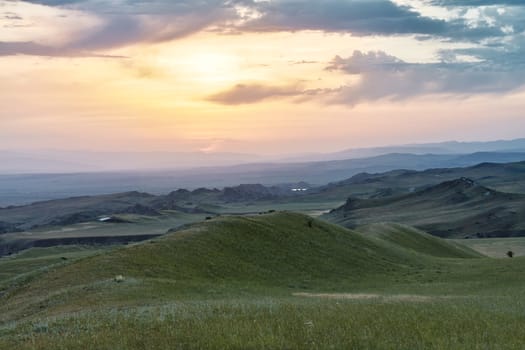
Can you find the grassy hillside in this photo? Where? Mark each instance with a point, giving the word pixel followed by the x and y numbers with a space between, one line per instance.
pixel 496 247
pixel 457 208
pixel 123 228
pixel 36 260
pixel 280 250
pixel 278 280
pixel 508 177
pixel 406 237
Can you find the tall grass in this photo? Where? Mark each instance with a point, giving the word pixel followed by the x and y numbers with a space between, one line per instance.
pixel 229 284
pixel 461 323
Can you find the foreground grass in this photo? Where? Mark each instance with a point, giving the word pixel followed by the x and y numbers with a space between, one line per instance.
pixel 279 281
pixel 453 323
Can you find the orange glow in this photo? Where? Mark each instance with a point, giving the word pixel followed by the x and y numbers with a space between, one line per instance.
pixel 157 96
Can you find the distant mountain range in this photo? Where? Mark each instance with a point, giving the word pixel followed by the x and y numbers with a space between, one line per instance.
pixel 20 189
pixel 443 202
pixel 506 177
pixel 401 192
pixel 59 161
pixel 456 208
pixel 68 211
pixel 450 147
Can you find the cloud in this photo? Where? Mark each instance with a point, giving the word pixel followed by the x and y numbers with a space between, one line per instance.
pixel 12 16
pixel 128 22
pixel 252 93
pixel 54 2
pixel 30 48
pixel 474 3
pixel 357 17
pixel 386 77
pixel 33 49
pixel 365 18
pixel 361 62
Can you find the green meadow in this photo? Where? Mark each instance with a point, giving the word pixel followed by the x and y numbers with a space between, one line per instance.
pixel 279 281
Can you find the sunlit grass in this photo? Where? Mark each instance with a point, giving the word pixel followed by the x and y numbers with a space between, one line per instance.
pixel 274 281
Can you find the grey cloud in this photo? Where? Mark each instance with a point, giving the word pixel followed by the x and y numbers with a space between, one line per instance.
pixel 386 77
pixel 28 48
pixel 54 2
pixel 139 21
pixel 359 17
pixel 361 62
pixel 123 30
pixel 140 7
pixel 12 16
pixel 362 18
pixel 302 62
pixel 34 49
pixel 252 93
pixel 506 56
pixel 130 22
pixel 473 3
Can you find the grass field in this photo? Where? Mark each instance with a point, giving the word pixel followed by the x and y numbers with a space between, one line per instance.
pixel 278 280
pixel 39 259
pixel 496 247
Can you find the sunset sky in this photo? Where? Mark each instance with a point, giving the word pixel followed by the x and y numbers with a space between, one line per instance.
pixel 266 77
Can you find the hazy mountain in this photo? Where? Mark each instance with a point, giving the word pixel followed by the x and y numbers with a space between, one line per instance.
pixel 20 189
pixel 59 161
pixel 456 208
pixel 507 177
pixel 85 161
pixel 449 147
pixel 73 210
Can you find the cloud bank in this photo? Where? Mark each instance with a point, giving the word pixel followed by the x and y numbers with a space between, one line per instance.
pixel 494 31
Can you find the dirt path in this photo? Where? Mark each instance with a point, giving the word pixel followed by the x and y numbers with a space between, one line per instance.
pixel 367 296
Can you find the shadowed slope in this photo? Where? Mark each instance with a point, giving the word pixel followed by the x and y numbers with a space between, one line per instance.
pixel 415 240
pixel 454 208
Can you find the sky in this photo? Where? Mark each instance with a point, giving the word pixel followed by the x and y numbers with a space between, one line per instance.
pixel 268 77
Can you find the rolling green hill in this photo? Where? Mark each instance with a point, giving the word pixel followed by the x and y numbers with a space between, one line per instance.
pixel 279 280
pixel 412 239
pixel 456 208
pixel 280 250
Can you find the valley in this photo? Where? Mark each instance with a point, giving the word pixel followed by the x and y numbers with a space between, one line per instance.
pixel 357 263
